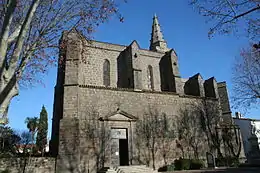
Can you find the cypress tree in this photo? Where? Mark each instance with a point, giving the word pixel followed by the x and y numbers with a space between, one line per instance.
pixel 41 139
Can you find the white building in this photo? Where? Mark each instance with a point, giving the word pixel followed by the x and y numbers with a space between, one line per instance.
pixel 247 127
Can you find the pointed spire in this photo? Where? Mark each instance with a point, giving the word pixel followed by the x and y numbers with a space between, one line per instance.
pixel 157 41
pixel 156 30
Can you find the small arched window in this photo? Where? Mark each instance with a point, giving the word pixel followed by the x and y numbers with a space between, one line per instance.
pixel 106 73
pixel 150 77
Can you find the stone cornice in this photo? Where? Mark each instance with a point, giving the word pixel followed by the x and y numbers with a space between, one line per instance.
pixel 227 112
pixel 126 89
pixel 198 97
pixel 138 91
pixel 67 85
pixel 221 84
pixel 72 59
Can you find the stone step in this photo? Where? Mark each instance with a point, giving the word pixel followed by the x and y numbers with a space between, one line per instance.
pixel 107 170
pixel 134 169
pixel 128 169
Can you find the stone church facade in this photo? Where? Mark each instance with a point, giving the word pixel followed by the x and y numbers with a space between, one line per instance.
pixel 118 84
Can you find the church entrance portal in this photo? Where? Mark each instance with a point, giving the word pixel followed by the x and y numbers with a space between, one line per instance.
pixel 119 147
pixel 123 152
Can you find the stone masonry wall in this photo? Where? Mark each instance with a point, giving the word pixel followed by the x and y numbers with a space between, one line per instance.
pixel 224 101
pixel 33 165
pixel 136 103
pixel 132 102
pixel 91 72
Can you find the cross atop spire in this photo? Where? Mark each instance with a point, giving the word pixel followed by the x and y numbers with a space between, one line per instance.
pixel 157 42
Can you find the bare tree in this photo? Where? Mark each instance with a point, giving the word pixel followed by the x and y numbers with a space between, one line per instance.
pixel 147 131
pixel 210 119
pixel 232 141
pixel 154 134
pixel 29 35
pixel 167 134
pixel 223 136
pixel 26 141
pixel 190 133
pixel 98 136
pixel 23 149
pixel 143 138
pixel 18 146
pixel 246 78
pixel 85 147
pixel 231 15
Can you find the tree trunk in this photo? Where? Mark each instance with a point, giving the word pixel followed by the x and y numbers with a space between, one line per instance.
pixel 8 79
pixel 24 164
pixel 153 159
pixel 8 90
pixel 164 158
pixel 5 32
pixel 43 151
pixel 32 143
pixel 3 144
pixel 147 156
pixel 164 152
pixel 153 153
pixel 196 153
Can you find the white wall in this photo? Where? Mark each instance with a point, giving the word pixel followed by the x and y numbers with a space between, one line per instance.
pixel 245 126
pixel 257 125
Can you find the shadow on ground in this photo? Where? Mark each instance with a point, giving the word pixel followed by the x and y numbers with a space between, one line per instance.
pixel 224 170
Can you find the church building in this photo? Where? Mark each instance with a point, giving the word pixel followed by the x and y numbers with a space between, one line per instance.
pixel 112 86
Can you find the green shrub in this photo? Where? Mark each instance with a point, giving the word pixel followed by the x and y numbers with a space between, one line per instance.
pixel 185 164
pixel 196 164
pixel 235 161
pixel 178 164
pixel 166 168
pixel 220 162
pixel 171 167
pixel 182 164
pixel 6 171
pixel 227 161
pixel 163 169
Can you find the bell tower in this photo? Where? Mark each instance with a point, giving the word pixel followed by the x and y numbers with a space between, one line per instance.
pixel 157 42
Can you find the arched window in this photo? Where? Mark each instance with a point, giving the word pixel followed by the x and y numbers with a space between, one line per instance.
pixel 150 77
pixel 106 73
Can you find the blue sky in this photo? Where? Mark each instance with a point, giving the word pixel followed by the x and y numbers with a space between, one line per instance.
pixel 184 30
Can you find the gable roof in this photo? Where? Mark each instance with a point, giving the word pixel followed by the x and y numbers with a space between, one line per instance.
pixel 114 116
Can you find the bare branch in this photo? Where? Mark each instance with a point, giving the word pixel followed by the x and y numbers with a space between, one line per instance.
pixel 246 72
pixel 31 30
pixel 230 16
pixel 22 34
pixel 14 35
pixel 243 14
pixel 231 6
